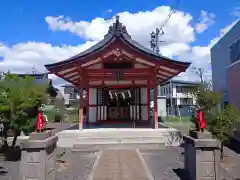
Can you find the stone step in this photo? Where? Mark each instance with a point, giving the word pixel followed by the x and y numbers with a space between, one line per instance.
pixel 121 137
pixel 118 136
pixel 71 141
pixel 105 146
pixel 84 133
pixel 128 135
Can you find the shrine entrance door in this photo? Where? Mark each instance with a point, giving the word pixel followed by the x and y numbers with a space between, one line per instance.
pixel 119 101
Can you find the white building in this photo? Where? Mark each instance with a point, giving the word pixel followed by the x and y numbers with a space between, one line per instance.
pixel 179 99
pixel 70 94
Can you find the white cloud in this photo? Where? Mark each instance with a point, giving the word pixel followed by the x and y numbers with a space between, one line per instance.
pixel 109 10
pixel 139 25
pixel 222 33
pixel 22 57
pixel 205 20
pixel 236 12
pixel 178 35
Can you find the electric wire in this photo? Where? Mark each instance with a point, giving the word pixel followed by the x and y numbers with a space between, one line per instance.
pixel 173 9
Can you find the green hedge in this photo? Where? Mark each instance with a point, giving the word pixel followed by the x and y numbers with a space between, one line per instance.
pixel 70 116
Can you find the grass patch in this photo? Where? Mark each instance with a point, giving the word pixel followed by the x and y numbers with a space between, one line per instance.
pixel 176 119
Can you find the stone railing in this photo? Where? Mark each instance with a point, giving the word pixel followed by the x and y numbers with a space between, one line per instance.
pixel 38 158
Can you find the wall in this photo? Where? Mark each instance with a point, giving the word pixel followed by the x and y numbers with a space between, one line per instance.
pixel 161 102
pixel 65 96
pixel 220 60
pixel 92 113
pixel 234 84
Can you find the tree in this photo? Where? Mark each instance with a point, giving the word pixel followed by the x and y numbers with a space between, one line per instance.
pixel 220 122
pixel 223 123
pixel 206 99
pixel 199 72
pixel 19 99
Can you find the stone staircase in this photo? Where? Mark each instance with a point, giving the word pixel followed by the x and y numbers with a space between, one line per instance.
pixel 118 138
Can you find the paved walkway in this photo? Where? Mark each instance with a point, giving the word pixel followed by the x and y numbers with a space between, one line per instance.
pixel 142 164
pixel 120 164
pixel 156 164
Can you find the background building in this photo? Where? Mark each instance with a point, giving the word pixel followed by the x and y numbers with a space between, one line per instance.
pixel 71 94
pixel 175 98
pixel 220 61
pixel 179 99
pixel 233 71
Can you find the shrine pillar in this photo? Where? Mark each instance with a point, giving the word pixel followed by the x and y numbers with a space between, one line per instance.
pixel 81 109
pixel 155 104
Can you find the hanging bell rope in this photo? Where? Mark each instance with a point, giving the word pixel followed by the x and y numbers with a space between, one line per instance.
pixel 123 95
pixel 110 94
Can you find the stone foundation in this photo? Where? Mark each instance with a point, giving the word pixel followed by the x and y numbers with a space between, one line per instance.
pixel 202 157
pixel 38 157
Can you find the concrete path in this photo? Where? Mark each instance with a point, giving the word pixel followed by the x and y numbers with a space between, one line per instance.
pixel 120 164
pixel 125 164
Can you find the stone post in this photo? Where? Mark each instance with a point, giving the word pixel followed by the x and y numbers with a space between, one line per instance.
pixel 201 157
pixel 38 157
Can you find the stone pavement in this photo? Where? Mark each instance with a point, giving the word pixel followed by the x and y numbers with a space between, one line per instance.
pixel 124 164
pixel 140 164
pixel 143 164
pixel 120 164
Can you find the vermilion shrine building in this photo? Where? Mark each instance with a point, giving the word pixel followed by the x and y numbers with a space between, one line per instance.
pixel 117 74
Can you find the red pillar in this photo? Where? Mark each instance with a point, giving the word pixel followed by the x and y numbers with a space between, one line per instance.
pixel 149 101
pixel 87 105
pixel 81 109
pixel 155 106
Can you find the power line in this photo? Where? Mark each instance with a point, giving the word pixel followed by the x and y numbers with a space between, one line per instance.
pixel 173 9
pixel 154 42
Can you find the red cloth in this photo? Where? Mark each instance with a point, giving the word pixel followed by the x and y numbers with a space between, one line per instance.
pixel 201 121
pixel 40 121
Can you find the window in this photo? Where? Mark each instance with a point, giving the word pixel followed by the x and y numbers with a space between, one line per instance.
pixel 186 101
pixel 72 95
pixel 234 51
pixel 179 89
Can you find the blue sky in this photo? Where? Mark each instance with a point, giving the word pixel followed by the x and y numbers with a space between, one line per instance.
pixel 23 21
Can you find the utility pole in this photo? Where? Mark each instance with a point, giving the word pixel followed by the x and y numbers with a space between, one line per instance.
pixel 154 42
pixel 171 96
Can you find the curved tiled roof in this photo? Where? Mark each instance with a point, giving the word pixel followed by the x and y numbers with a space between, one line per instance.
pixel 117 30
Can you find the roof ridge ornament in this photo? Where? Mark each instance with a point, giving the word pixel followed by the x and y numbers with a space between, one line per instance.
pixel 117 29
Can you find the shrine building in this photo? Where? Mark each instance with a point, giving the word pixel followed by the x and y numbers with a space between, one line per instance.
pixel 117 73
